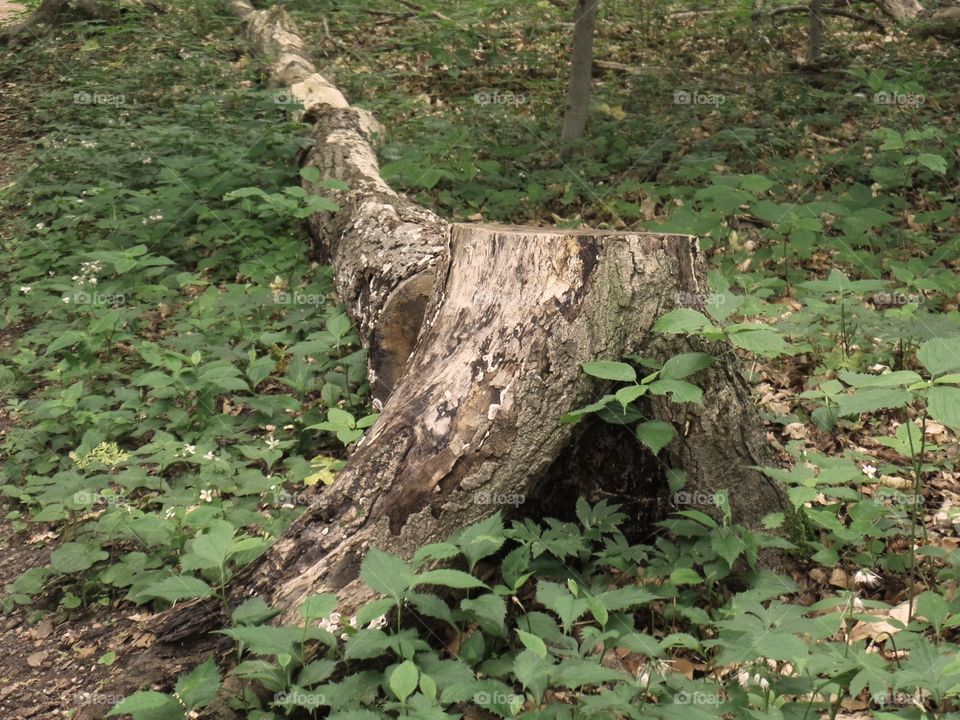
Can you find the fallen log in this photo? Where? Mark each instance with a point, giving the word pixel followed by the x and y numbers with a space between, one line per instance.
pixel 476 335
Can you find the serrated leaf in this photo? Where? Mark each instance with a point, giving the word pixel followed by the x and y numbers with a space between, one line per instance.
pixel 386 573
pixel 655 434
pixel 200 686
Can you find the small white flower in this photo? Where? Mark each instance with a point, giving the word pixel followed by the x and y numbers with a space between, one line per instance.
pixel 332 623
pixel 353 622
pixel 378 623
pixel 210 456
pixel 743 677
pixel 40 226
pixel 869 470
pixel 867 578
pixel 206 495
pixel 272 442
pixel 761 681
pixel 190 449
pixel 24 289
pixel 66 299
pixel 79 201
pixel 147 160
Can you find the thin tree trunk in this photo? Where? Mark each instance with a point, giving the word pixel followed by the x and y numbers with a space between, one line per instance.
pixel 816 32
pixel 581 65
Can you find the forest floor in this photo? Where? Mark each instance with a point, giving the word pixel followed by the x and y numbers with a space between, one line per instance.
pixel 121 147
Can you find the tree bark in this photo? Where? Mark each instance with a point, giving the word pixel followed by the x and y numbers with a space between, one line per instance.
pixel 816 31
pixel 477 334
pixel 581 65
pixel 901 10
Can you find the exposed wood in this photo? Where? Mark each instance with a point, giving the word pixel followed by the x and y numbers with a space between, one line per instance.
pixel 901 10
pixel 836 12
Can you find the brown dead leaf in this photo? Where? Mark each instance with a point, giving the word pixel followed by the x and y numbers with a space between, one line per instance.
pixel 42 630
pixel 871 630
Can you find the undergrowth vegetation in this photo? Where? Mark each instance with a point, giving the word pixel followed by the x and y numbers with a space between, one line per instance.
pixel 178 377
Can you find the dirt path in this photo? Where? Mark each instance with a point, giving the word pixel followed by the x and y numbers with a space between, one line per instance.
pixel 10 11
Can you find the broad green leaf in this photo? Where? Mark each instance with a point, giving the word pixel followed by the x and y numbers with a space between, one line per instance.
pixel 149 705
pixel 683 321
pixel 199 687
pixel 448 578
pixel 610 370
pixel 404 679
pixel 655 434
pixel 943 404
pixel 685 576
pixel 73 557
pixel 173 589
pixel 871 400
pixel 532 643
pixel 940 355
pixel 386 573
pixel 680 366
pixel 317 607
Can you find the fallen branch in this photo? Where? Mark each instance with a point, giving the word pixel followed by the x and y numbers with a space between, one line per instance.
pixel 838 12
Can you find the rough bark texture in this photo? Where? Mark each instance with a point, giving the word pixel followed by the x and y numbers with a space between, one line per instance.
pixel 581 65
pixel 901 10
pixel 816 31
pixel 477 334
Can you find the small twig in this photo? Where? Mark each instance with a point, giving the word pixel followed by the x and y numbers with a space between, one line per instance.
pixel 419 8
pixel 831 11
